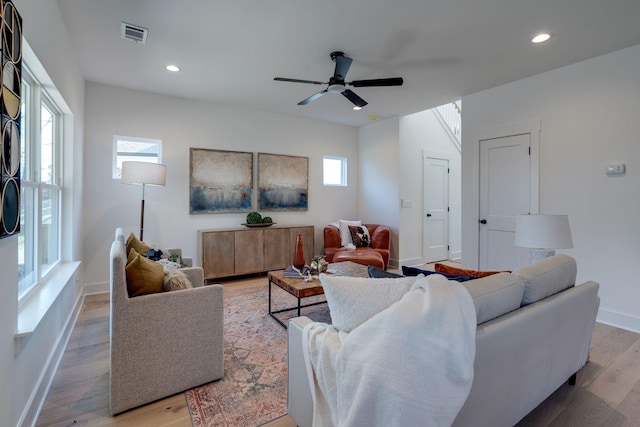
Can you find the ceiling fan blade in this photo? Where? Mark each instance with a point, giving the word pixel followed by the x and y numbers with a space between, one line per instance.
pixel 343 64
pixel 313 97
pixel 394 81
pixel 284 79
pixel 351 96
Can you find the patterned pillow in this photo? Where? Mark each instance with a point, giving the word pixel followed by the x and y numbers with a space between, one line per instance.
pixel 444 268
pixel 360 236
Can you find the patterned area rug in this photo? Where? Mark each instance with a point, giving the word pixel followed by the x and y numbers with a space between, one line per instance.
pixel 254 388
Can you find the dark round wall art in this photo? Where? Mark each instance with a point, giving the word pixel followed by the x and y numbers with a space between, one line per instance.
pixel 10 104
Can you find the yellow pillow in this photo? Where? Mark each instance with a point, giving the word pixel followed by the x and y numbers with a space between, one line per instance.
pixel 143 275
pixel 134 243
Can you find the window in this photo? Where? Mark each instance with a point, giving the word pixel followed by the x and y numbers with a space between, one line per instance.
pixel 130 148
pixel 41 184
pixel 334 171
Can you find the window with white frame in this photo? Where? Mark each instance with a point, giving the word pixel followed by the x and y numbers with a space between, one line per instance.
pixel 41 184
pixel 334 171
pixel 130 148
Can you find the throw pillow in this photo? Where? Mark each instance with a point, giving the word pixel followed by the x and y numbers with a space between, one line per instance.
pixel 175 280
pixel 443 268
pixel 134 243
pixel 379 273
pixel 143 275
pixel 353 300
pixel 345 234
pixel 413 271
pixel 360 236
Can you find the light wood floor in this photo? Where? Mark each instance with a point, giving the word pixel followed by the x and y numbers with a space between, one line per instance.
pixel 607 392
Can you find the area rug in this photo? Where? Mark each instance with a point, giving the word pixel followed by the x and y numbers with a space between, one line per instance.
pixel 254 388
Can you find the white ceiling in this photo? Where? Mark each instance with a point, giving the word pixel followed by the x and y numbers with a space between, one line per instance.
pixel 230 50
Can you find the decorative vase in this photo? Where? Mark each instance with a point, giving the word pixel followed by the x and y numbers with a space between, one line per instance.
pixel 298 255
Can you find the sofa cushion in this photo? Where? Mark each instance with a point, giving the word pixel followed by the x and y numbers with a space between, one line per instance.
pixel 134 243
pixel 360 236
pixel 143 275
pixel 547 277
pixel 413 271
pixel 345 234
pixel 444 268
pixel 353 300
pixel 495 295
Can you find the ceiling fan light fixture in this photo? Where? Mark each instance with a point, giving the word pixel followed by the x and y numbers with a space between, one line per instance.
pixel 541 38
pixel 336 88
pixel 357 108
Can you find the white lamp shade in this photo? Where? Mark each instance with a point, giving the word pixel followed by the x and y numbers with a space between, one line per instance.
pixel 543 231
pixel 144 173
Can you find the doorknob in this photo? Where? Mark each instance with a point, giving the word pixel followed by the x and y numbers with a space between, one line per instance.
pixel 428 215
pixel 483 221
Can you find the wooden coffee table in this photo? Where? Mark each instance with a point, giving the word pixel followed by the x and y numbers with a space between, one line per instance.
pixel 301 289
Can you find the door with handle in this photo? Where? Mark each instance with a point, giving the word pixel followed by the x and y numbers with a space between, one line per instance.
pixel 435 246
pixel 504 193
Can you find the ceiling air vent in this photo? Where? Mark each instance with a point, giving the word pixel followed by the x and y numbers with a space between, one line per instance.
pixel 134 33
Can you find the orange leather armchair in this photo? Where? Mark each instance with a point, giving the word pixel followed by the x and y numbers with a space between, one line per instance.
pixel 379 241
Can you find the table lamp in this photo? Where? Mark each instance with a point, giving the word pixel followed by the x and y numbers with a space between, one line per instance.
pixel 143 173
pixel 542 234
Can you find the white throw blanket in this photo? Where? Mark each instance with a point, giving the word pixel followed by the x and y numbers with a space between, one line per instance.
pixel 409 365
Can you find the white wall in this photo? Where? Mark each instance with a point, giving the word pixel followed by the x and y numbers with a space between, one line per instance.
pixel 379 179
pixel 21 374
pixel 180 124
pixel 589 113
pixel 422 132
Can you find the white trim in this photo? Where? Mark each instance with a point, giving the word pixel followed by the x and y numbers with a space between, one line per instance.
pixel 31 313
pixel 96 288
pixel 619 320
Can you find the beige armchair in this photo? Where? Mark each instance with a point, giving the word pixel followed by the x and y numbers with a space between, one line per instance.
pixel 163 343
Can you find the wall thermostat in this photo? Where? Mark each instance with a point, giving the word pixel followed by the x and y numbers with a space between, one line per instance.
pixel 615 169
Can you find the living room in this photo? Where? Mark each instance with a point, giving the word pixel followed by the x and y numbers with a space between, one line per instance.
pixel 587 112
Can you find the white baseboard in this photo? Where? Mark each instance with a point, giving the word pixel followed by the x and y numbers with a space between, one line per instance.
pixel 455 256
pixel 619 320
pixel 95 288
pixel 412 262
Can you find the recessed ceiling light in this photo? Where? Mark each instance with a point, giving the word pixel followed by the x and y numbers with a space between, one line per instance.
pixel 542 37
pixel 173 68
pixel 357 108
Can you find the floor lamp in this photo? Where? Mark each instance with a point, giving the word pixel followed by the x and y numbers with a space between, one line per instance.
pixel 143 173
pixel 542 234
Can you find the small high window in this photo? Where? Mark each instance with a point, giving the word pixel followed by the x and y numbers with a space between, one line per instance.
pixel 334 171
pixel 130 148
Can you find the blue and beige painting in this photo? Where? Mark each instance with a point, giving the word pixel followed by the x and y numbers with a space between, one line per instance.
pixel 283 182
pixel 208 200
pixel 283 198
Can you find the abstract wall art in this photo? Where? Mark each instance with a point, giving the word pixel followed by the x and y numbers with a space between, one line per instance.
pixel 283 182
pixel 220 181
pixel 10 94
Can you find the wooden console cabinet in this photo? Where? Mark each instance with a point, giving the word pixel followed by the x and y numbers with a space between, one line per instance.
pixel 235 251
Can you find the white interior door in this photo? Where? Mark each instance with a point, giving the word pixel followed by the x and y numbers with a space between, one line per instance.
pixel 436 209
pixel 504 193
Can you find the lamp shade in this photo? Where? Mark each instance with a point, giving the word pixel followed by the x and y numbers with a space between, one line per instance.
pixel 543 231
pixel 144 173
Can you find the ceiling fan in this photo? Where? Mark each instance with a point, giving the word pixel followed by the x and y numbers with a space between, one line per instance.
pixel 336 84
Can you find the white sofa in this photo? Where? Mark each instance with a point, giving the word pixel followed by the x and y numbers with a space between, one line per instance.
pixel 533 334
